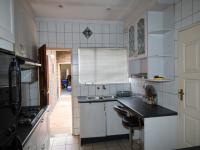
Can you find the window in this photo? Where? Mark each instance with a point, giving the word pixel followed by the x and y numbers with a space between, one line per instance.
pixel 103 65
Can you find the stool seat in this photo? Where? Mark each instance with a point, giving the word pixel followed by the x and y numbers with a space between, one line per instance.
pixel 120 111
pixel 130 121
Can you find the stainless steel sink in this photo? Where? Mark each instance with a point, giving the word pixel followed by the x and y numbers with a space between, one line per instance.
pixel 101 98
pixel 93 97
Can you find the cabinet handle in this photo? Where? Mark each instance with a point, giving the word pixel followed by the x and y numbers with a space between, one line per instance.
pixel 43 147
pixel 42 120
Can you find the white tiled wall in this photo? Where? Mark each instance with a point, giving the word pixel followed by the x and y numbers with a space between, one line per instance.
pixel 30 94
pixel 187 12
pixel 68 34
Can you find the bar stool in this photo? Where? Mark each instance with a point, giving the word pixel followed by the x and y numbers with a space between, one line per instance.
pixel 129 121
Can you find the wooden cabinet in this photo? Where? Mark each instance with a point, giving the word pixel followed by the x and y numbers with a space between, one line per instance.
pixel 113 121
pixel 6 24
pixel 39 139
pixel 92 120
pixel 100 120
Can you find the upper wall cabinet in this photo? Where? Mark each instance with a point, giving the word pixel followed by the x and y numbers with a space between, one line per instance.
pixel 25 31
pixel 154 43
pixel 6 24
pixel 137 39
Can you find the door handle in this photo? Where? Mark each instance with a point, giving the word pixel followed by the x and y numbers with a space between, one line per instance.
pixel 180 94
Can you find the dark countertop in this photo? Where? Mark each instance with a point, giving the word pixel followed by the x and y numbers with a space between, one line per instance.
pixel 83 99
pixel 25 132
pixel 143 109
pixel 191 148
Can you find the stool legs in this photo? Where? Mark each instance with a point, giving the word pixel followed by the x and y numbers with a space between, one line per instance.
pixel 131 133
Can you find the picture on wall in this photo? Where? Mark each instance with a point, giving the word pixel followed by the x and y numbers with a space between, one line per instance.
pixel 132 50
pixel 141 36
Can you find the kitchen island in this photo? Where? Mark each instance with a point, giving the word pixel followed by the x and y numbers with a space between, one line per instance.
pixel 160 124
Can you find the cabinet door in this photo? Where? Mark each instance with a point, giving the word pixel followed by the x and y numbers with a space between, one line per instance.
pixel 6 24
pixel 43 134
pixel 114 122
pixel 92 120
pixel 31 144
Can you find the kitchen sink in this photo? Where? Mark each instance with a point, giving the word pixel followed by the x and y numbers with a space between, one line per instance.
pixel 101 98
pixel 93 97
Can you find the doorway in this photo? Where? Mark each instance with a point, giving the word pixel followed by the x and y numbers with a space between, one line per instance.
pixel 65 79
pixel 60 100
pixel 189 87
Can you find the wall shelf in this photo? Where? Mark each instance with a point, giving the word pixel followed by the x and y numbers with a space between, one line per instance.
pixel 162 31
pixel 158 81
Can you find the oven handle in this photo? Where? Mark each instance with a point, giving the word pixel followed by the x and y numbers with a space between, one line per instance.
pixel 15 103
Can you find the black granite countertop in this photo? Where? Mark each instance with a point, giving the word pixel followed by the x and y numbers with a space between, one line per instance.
pixel 24 132
pixel 84 99
pixel 191 148
pixel 144 110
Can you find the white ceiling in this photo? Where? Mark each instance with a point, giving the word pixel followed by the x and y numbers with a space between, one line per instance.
pixel 85 9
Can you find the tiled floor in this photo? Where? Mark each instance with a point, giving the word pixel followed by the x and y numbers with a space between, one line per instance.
pixel 61 116
pixel 61 133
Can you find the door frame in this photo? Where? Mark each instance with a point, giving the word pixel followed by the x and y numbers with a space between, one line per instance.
pixel 178 70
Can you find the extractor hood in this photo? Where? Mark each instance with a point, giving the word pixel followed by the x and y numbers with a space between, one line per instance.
pixel 26 63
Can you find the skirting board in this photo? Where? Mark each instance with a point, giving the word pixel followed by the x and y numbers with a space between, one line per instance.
pixel 103 139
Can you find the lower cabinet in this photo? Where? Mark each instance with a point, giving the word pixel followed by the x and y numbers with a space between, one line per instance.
pixel 92 120
pixel 100 120
pixel 39 139
pixel 113 121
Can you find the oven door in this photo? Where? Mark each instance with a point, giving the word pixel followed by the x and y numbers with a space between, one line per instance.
pixel 10 95
pixel 13 144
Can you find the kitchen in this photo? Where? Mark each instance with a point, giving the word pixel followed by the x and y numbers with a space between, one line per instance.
pixel 116 47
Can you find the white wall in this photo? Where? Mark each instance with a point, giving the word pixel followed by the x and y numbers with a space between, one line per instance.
pixel 68 34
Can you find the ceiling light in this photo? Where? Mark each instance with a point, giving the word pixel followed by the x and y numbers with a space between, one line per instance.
pixel 108 9
pixel 60 6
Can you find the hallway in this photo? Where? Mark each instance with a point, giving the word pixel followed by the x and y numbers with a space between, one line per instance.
pixel 61 116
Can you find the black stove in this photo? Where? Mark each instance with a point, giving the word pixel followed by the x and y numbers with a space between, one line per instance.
pixel 29 115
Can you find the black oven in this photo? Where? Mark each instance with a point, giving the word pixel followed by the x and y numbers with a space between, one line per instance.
pixel 10 100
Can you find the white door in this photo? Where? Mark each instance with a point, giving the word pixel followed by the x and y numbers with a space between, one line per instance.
pixel 92 120
pixel 114 121
pixel 189 82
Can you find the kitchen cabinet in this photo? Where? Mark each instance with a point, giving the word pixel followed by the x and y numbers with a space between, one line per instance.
pixel 158 40
pixel 31 144
pixel 39 139
pixel 6 24
pixel 113 121
pixel 92 120
pixel 25 31
pixel 100 120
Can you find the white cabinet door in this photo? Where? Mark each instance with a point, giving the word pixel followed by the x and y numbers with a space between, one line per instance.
pixel 114 122
pixel 92 120
pixel 6 24
pixel 32 142
pixel 39 140
pixel 42 140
